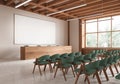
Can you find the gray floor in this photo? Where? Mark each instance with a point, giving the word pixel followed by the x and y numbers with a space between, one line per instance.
pixel 20 72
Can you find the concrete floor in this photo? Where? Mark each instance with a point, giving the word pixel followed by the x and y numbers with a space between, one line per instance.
pixel 20 72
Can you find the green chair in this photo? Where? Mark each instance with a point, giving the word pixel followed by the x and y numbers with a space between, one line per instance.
pixel 87 58
pixel 65 55
pixel 117 76
pixel 43 60
pixel 115 61
pixel 64 64
pixel 54 58
pixel 88 70
pixel 77 54
pixel 78 60
pixel 109 63
pixel 102 67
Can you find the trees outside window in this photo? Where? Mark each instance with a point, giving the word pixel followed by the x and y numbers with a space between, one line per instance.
pixel 103 32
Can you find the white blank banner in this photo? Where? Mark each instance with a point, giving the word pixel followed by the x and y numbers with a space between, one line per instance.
pixel 32 31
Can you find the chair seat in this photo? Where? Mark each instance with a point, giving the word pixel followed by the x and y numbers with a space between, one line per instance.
pixel 85 61
pixel 53 61
pixel 77 63
pixel 117 76
pixel 90 71
pixel 44 62
pixel 66 65
pixel 100 67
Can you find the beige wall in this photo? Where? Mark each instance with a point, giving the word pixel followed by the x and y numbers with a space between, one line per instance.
pixel 74 34
pixel 8 50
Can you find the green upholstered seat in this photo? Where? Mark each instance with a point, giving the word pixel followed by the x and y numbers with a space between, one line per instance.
pixel 117 76
pixel 54 58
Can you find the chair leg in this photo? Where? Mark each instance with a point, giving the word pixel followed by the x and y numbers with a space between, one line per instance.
pixel 66 70
pixel 93 75
pixel 116 68
pixel 54 65
pixel 44 67
pixel 111 71
pixel 73 71
pixel 104 71
pixel 119 64
pixel 56 71
pixel 85 79
pixel 64 74
pixel 88 79
pixel 100 72
pixel 50 66
pixel 39 70
pixel 34 68
pixel 78 76
pixel 98 78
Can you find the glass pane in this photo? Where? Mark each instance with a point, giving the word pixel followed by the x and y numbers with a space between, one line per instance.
pixel 116 23
pixel 91 27
pixel 116 39
pixel 104 25
pixel 104 39
pixel 91 40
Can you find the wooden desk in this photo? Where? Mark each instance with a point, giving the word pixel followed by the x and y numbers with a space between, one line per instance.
pixel 33 52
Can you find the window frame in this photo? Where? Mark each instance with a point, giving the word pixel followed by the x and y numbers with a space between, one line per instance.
pixel 111 31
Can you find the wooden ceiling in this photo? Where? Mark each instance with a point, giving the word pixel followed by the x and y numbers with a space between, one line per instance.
pixel 53 8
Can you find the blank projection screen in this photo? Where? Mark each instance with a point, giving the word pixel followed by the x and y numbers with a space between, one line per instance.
pixel 33 31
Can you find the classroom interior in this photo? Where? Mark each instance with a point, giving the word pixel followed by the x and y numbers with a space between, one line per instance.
pixel 59 41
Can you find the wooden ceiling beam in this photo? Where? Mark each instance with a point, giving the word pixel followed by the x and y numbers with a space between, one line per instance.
pixel 78 2
pixel 50 9
pixel 28 7
pixel 69 5
pixel 106 14
pixel 52 4
pixel 42 1
pixel 9 2
pixel 100 12
pixel 98 9
pixel 58 2
pixel 92 6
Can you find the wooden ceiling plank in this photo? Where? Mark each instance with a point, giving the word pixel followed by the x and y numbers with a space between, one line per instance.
pixel 28 7
pixel 50 9
pixel 76 3
pixel 92 6
pixel 9 2
pixel 100 12
pixel 52 4
pixel 42 1
pixel 68 5
pixel 106 14
pixel 98 9
pixel 57 3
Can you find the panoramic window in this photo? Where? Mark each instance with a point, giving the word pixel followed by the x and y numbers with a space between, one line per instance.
pixel 103 32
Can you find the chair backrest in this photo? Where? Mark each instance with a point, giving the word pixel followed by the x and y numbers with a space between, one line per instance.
pixel 92 65
pixel 43 58
pixel 64 55
pixel 68 59
pixel 103 62
pixel 55 57
pixel 110 59
pixel 88 56
pixel 71 54
pixel 78 54
pixel 80 58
